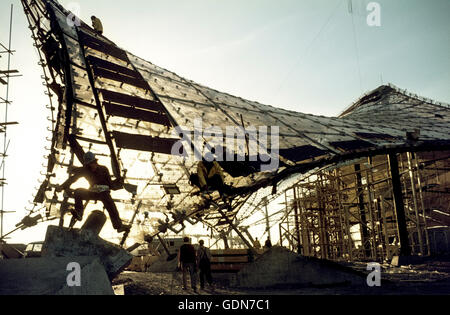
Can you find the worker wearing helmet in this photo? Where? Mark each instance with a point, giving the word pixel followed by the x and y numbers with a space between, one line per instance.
pixel 100 181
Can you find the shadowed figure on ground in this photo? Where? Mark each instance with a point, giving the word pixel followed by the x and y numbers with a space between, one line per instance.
pixel 187 263
pixel 204 264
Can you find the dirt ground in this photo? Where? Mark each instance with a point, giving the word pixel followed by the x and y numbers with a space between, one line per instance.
pixel 430 278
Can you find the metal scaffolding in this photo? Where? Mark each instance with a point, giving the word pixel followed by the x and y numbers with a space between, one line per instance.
pixel 352 213
pixel 5 75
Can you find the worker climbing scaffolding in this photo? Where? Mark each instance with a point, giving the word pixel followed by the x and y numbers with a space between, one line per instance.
pixel 101 184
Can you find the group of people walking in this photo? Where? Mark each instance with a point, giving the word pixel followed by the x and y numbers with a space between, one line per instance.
pixel 191 260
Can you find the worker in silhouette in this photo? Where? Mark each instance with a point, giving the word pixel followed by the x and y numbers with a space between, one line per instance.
pixel 204 264
pixel 187 263
pixel 97 25
pixel 268 244
pixel 210 177
pixel 257 244
pixel 100 190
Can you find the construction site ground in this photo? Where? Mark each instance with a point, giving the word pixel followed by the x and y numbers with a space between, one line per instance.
pixel 430 278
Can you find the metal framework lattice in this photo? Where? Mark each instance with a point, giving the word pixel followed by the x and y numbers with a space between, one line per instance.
pixel 125 109
pixel 6 73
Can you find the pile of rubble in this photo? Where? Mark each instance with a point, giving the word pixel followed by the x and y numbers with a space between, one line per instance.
pixel 281 267
pixel 73 262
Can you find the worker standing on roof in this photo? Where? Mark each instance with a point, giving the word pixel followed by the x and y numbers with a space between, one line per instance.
pixel 97 25
pixel 101 184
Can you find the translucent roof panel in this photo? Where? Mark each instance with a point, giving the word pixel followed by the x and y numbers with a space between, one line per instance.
pixel 129 112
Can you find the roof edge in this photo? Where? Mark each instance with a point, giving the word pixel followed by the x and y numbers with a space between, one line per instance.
pixel 405 92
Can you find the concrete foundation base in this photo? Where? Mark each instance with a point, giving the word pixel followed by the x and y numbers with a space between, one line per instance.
pixel 280 266
pixel 61 242
pixel 48 276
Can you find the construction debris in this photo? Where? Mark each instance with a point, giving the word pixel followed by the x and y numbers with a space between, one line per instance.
pixel 61 242
pixel 49 276
pixel 430 278
pixel 279 266
pixel 163 265
pixel 98 261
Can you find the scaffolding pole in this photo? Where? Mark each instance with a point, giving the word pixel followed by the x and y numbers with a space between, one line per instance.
pixel 387 196
pixel 5 76
pixel 414 197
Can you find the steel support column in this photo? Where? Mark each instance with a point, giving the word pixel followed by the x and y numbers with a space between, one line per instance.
pixel 405 249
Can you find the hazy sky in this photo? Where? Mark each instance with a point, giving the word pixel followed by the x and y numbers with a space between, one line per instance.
pixel 295 54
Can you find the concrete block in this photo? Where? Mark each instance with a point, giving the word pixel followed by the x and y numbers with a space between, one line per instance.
pixel 62 242
pixel 163 264
pixel 48 276
pixel 280 266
